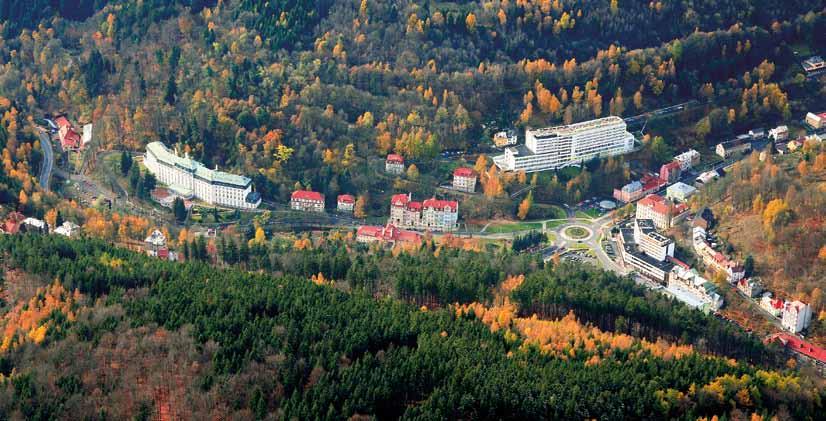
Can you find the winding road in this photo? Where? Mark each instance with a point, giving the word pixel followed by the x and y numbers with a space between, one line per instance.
pixel 48 159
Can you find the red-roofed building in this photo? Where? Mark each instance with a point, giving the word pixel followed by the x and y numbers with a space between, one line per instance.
pixel 69 138
pixel 662 211
pixel 670 172
pixel 394 164
pixel 773 306
pixel 816 120
pixel 307 201
pixel 12 223
pixel 749 287
pixel 388 234
pixel 432 214
pixel 345 203
pixel 464 179
pixel 805 352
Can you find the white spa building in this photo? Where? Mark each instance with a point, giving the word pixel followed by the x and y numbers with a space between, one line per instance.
pixel 191 179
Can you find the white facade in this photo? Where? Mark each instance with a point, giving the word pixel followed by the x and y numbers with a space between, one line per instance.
pixel 815 120
pixel 432 214
pixel 557 147
pixel 796 316
pixel 190 178
pixel 651 242
pixel 779 133
pixel 680 191
pixel 68 229
pixel 688 159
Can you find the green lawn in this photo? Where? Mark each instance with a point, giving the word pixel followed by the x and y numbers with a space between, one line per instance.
pixel 590 214
pixel 513 227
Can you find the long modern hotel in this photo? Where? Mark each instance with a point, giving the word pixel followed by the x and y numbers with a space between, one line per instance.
pixel 561 146
pixel 189 178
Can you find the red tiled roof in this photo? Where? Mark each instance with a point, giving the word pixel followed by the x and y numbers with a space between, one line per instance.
pixel 414 206
pixel 777 303
pixel 62 121
pixel 464 172
pixel 389 233
pixel 661 205
pixel 679 262
pixel 395 158
pixel 822 115
pixel 441 204
pixel 307 195
pixel 409 237
pixel 673 165
pixel 346 198
pixel 800 346
pixel 399 200
pixel 369 231
pixel 69 138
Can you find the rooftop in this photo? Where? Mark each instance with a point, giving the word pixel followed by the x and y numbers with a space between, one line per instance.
pixel 346 198
pixel 307 195
pixel 395 158
pixel 798 345
pixel 577 127
pixel 464 172
pixel 162 153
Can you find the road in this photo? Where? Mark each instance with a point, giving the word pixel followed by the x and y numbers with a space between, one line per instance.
pixel 48 159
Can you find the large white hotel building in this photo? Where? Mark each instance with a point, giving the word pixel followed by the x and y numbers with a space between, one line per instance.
pixel 190 178
pixel 557 147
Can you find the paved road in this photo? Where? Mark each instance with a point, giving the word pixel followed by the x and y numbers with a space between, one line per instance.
pixel 48 159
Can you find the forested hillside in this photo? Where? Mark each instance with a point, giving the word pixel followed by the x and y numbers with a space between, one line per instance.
pixel 317 92
pixel 118 335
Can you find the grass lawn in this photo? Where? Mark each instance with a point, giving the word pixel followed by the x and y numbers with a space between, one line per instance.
pixel 554 224
pixel 506 227
pixel 589 213
pixel 576 232
pixel 545 211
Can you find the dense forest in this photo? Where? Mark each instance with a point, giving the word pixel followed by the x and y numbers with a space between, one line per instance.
pixel 313 94
pixel 118 334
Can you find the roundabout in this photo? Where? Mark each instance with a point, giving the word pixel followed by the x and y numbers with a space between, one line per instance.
pixel 577 233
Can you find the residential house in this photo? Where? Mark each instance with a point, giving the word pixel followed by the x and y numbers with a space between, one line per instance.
pixel 688 159
pixel 69 138
pixel 813 65
pixel 779 133
pixel 727 149
pixel 35 225
pixel 155 244
pixel 797 316
pixel 464 179
pixel 750 287
pixel 12 223
pixel 670 172
pixel 394 164
pixel 773 306
pixel 816 121
pixel 68 229
pixel 345 203
pixel 307 201
pixel 504 138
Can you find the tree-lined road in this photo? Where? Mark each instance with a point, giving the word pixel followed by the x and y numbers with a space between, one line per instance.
pixel 48 159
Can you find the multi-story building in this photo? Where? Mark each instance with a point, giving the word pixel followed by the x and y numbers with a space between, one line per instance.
pixel 779 133
pixel 432 214
pixel 639 260
pixel 750 287
pixel 651 242
pixel 688 159
pixel 740 145
pixel 662 211
pixel 670 171
pixel 816 121
pixel 561 146
pixel 689 280
pixel 464 179
pixel 307 201
pixel 797 316
pixel 389 234
pixel 679 192
pixel 805 352
pixel 189 178
pixel 394 164
pixel 67 229
pixel 345 203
